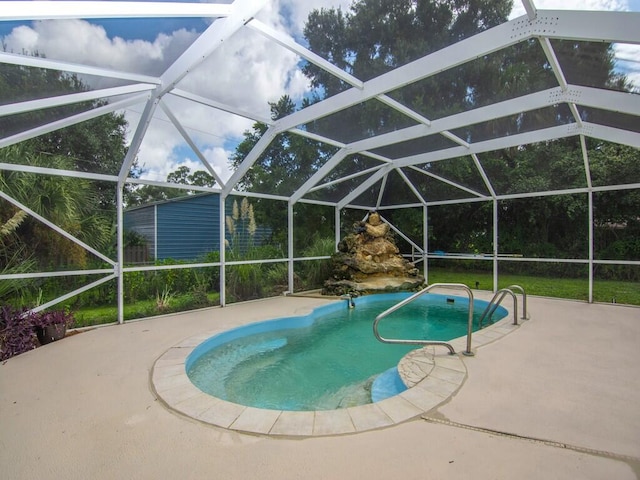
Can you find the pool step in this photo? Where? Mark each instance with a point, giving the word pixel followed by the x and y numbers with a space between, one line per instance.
pixel 387 384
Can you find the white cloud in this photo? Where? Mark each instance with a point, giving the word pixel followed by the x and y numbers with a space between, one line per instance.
pixel 163 149
pixel 257 74
pixel 218 158
pixel 299 11
pixel 607 5
pixel 79 41
pixel 628 61
pixel 247 72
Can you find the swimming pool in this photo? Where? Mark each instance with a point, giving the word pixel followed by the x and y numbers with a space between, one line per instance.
pixel 326 360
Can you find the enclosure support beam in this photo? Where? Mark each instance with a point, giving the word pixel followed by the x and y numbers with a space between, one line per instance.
pixel 495 245
pixel 321 173
pixel 587 172
pixel 50 64
pixel 290 245
pixel 73 120
pixel 425 242
pixel 249 160
pixel 336 227
pixel 155 232
pixel 120 249
pixel 372 180
pixel 72 98
pixel 530 9
pixel 591 247
pixel 56 228
pixel 187 138
pixel 210 40
pixel 125 169
pixel 223 249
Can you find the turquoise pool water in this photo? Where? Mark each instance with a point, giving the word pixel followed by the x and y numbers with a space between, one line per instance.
pixel 326 360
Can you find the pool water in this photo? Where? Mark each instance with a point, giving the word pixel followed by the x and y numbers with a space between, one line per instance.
pixel 326 360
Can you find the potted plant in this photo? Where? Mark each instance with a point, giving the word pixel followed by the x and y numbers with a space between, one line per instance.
pixel 52 326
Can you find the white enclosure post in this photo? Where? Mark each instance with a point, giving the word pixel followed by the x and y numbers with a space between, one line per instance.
pixel 425 242
pixel 495 245
pixel 337 226
pixel 587 172
pixel 290 245
pixel 223 248
pixel 120 249
pixel 591 247
pixel 155 232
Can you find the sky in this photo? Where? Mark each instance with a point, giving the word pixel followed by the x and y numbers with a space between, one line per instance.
pixel 259 72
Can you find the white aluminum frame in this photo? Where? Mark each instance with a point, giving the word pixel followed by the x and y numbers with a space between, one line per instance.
pixel 542 25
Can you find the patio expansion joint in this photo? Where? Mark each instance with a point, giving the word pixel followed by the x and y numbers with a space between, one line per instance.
pixel 550 443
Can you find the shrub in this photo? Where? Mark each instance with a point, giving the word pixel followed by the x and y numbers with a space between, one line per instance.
pixel 18 326
pixel 54 317
pixel 316 272
pixel 16 332
pixel 277 279
pixel 245 282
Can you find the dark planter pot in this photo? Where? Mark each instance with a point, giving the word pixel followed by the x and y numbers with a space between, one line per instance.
pixel 51 333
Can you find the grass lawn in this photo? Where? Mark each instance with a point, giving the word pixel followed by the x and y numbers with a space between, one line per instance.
pixel 88 316
pixel 571 288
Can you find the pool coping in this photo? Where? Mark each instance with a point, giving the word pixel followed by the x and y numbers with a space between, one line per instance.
pixel 432 374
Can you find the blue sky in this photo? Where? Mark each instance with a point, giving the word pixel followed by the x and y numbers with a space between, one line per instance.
pixel 145 29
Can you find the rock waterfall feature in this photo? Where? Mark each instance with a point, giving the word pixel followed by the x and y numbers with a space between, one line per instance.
pixel 368 261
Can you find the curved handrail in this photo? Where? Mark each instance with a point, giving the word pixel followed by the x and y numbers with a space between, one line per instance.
pixel 495 302
pixel 524 299
pixel 456 286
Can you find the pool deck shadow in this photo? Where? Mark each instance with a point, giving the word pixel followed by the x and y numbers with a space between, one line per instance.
pixel 556 397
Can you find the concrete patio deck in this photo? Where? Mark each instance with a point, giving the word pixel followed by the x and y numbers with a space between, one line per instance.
pixel 558 398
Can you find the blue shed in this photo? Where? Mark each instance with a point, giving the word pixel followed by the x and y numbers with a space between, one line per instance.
pixel 183 228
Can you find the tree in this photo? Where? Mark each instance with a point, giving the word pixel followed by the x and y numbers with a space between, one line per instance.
pixel 72 204
pixel 182 175
pixel 86 209
pixel 13 257
pixel 201 178
pixel 283 167
pixel 375 36
pixel 97 145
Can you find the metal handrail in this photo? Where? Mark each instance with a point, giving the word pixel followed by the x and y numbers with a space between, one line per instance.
pixel 495 302
pixel 524 299
pixel 349 298
pixel 456 286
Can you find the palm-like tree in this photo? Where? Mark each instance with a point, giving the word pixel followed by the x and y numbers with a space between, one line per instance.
pixel 70 203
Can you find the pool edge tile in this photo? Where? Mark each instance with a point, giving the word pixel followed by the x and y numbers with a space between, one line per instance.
pixel 399 409
pixel 369 417
pixel 177 394
pixel 294 423
pixel 221 413
pixel 332 422
pixel 448 374
pixel 256 420
pixel 194 406
pixel 423 399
